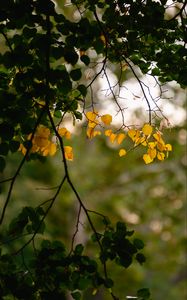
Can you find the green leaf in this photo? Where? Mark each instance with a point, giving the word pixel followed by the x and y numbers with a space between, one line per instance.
pixel 76 74
pixel 71 56
pixel 85 59
pixel 58 114
pixel 82 88
pixel 79 249
pixel 78 115
pixel 155 72
pixel 125 261
pixel 139 244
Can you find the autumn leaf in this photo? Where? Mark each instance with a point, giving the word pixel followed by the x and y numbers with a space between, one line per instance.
pixel 122 152
pixel 147 158
pixel 64 132
pixel 106 119
pixel 68 152
pixel 160 155
pixel 147 129
pixel 120 138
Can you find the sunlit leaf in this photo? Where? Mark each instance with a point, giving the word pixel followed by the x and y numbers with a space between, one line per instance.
pixel 160 155
pixel 106 119
pixel 147 129
pixel 147 158
pixel 68 150
pixel 120 138
pixel 122 152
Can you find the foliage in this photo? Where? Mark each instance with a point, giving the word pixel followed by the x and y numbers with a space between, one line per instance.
pixel 42 65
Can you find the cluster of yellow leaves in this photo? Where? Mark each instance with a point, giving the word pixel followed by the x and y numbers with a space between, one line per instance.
pixel 95 119
pixel 152 140
pixel 148 137
pixel 42 143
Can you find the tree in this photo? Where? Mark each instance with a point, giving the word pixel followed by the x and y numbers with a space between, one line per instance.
pixel 43 60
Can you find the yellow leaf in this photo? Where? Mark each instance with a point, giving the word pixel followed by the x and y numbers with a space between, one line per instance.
pixel 120 138
pixel 103 39
pixel 40 141
pixel 168 147
pixel 140 140
pixel 93 124
pixel 43 131
pixel 152 153
pixel 91 115
pixel 106 119
pixel 94 292
pixel 92 133
pixel 68 152
pixel 160 155
pixel 64 132
pixel 158 137
pixel 22 149
pixel 147 158
pixel 122 152
pixel 147 129
pixel 132 133
pixel 108 132
pixel 97 132
pixel 112 137
pixel 52 149
pixel 152 145
pixel 161 146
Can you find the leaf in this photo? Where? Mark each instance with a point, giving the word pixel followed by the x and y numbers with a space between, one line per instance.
pixel 76 74
pixel 120 138
pixel 132 133
pixel 147 158
pixel 147 129
pixel 68 152
pixel 122 152
pixel 112 137
pixel 106 119
pixel 82 89
pixel 160 155
pixel 168 147
pixel 79 249
pixel 63 132
pixel 85 59
pixel 139 244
